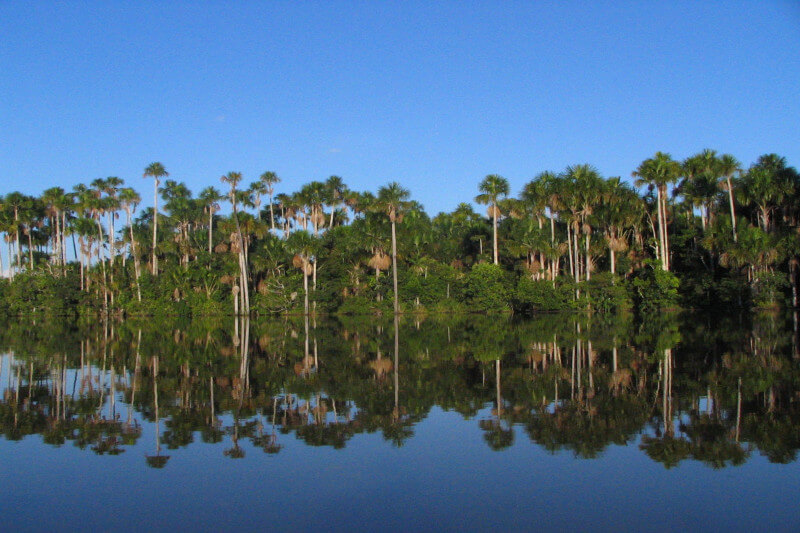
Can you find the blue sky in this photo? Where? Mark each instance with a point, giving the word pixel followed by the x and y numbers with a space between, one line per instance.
pixel 434 95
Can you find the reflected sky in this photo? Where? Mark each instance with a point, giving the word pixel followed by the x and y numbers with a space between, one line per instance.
pixel 414 465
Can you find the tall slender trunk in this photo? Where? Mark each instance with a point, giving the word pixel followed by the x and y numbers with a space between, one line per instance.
pixel 662 230
pixel 588 272
pixel 394 267
pixel 102 263
pixel 155 226
pixel 19 246
pixel 30 248
pixel 494 232
pixel 733 212
pixel 665 228
pixel 111 246
pixel 111 233
pixel 569 252
pixel 134 254
pixel 271 213
pixel 242 263
pixel 10 258
pixel 577 257
pixel 613 263
pixel 305 288
pixel 210 228
pixel 80 241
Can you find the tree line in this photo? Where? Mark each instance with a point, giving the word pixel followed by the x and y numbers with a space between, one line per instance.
pixel 580 384
pixel 701 232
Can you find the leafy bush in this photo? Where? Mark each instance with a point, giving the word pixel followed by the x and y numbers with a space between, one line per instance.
pixel 654 289
pixel 604 294
pixel 540 296
pixel 488 289
pixel 768 289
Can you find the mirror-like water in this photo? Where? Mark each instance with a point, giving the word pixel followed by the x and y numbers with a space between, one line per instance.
pixel 458 423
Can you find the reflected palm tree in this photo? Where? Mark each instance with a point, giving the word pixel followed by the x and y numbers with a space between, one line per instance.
pixel 157 460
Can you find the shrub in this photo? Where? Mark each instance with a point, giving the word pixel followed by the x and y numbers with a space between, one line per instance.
pixel 654 289
pixel 488 289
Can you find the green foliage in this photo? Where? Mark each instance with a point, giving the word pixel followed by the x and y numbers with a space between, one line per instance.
pixel 488 289
pixel 654 289
pixel 768 289
pixel 532 296
pixel 39 292
pixel 604 294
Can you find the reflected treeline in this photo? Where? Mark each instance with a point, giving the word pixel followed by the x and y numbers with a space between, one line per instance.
pixel 711 389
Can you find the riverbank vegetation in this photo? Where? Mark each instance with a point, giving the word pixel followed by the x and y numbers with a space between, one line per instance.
pixel 708 388
pixel 703 232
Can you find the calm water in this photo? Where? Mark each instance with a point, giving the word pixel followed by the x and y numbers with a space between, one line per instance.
pixel 441 424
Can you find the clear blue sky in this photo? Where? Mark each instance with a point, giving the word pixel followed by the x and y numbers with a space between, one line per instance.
pixel 434 95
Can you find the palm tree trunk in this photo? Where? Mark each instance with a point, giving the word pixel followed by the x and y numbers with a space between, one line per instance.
pixel 102 263
pixel 135 255
pixel 210 228
pixel 733 214
pixel 613 263
pixel 271 214
pixel 80 241
pixel 577 257
pixel 242 264
pixel 667 260
pixel 305 289
pixel 569 252
pixel 494 232
pixel 19 246
pixel 662 228
pixel 588 272
pixel 30 248
pixel 63 246
pixel 155 226
pixel 111 234
pixel 394 266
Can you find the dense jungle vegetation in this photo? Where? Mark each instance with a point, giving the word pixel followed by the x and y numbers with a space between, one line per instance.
pixel 718 390
pixel 705 232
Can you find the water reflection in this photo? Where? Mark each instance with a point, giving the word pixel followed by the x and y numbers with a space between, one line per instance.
pixel 679 389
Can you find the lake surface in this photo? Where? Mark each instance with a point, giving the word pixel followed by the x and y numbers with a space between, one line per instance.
pixel 455 423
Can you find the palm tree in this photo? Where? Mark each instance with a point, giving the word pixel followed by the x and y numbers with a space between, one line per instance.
pixel 700 184
pixel 335 192
pixel 313 195
pixel 393 199
pixel 233 179
pixel 111 186
pixel 54 200
pixel 658 172
pixel 129 199
pixel 269 179
pixel 16 201
pixel 180 206
pixel 766 184
pixel 303 245
pixel 728 166
pixel 618 213
pixel 156 171
pixel 587 191
pixel 256 189
pixel 209 198
pixel 492 188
